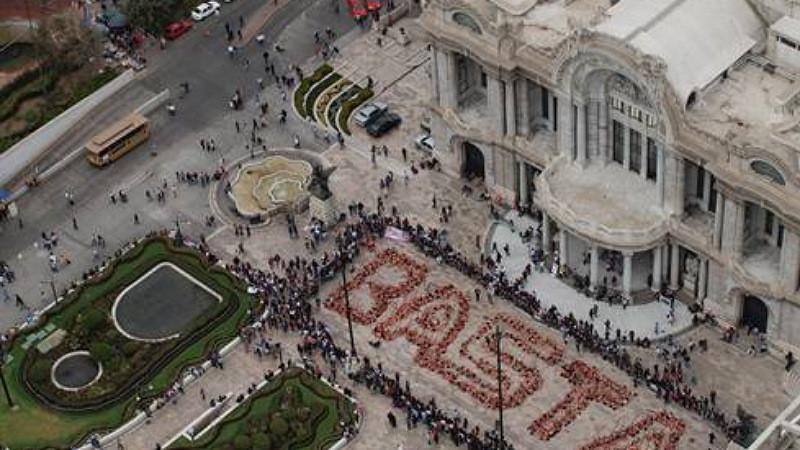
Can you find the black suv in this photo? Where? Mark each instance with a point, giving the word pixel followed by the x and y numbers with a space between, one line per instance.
pixel 383 124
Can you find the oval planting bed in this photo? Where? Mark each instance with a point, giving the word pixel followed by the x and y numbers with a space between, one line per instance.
pixel 75 371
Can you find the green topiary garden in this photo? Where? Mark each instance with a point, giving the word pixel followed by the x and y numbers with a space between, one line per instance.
pixel 293 411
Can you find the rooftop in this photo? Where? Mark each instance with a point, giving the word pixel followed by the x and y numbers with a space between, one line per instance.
pixel 751 106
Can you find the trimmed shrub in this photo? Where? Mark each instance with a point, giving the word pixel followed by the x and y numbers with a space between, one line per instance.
pixel 93 321
pixel 102 352
pixel 262 441
pixel 40 370
pixel 278 426
pixel 129 348
pixel 242 442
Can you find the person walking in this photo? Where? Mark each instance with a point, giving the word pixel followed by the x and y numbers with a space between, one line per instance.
pixel 392 419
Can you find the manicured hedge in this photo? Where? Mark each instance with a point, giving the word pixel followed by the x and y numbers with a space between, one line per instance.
pixel 306 83
pixel 316 90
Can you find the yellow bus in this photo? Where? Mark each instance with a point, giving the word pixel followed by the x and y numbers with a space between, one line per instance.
pixel 117 140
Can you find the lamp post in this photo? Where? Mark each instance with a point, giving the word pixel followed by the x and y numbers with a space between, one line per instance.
pixel 498 335
pixel 347 300
pixel 3 379
pixel 51 282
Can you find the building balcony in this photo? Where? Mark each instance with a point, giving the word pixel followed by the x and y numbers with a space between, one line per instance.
pixel 605 204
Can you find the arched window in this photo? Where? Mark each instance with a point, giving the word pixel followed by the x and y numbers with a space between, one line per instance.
pixel 768 170
pixel 465 20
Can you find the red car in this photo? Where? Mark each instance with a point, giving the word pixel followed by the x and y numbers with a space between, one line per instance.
pixel 177 29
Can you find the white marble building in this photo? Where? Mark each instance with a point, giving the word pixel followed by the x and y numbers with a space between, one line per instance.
pixel 660 135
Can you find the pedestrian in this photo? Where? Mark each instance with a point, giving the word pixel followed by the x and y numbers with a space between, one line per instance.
pixel 135 219
pixel 203 394
pixel 405 154
pixel 74 223
pixel 20 303
pixel 392 419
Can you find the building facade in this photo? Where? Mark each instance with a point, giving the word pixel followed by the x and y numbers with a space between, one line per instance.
pixel 660 140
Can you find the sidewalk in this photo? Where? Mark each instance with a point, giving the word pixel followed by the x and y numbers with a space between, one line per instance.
pixel 551 291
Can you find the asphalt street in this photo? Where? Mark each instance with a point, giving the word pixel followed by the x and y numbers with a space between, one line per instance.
pixel 200 59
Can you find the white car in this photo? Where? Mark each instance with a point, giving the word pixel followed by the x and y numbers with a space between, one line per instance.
pixel 204 10
pixel 425 142
pixel 367 114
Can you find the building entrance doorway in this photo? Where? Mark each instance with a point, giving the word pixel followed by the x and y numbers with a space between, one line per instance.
pixel 473 164
pixel 754 313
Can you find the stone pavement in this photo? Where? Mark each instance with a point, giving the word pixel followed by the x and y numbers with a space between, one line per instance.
pixel 641 318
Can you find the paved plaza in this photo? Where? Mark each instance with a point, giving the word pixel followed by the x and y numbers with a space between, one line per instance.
pixel 435 334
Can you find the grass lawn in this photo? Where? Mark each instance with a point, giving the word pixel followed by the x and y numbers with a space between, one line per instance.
pixel 293 411
pixel 34 425
pixel 39 95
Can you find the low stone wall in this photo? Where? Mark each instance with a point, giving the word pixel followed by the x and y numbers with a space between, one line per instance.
pixel 25 152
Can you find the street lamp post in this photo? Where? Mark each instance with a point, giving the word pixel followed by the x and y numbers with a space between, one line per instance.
pixel 347 301
pixel 52 285
pixel 3 379
pixel 498 336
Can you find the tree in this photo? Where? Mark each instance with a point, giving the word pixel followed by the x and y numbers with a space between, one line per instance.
pixel 64 43
pixel 242 442
pixel 152 15
pixel 102 352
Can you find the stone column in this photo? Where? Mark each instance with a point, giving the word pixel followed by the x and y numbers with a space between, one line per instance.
pixel 565 126
pixel 674 269
pixel 495 103
pixel 656 286
pixel 660 173
pixel 706 189
pixel 680 180
pixel 627 273
pixel 593 130
pixel 581 130
pixel 718 217
pixel 434 68
pixel 732 227
pixel 643 155
pixel 511 107
pixel 448 92
pixel 602 133
pixel 546 233
pixel 702 275
pixel 523 102
pixel 626 146
pixel 594 266
pixel 562 246
pixel 523 184
pixel 790 257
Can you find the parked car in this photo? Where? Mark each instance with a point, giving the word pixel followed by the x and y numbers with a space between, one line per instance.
pixel 177 29
pixel 425 142
pixel 204 10
pixel 369 113
pixel 383 124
